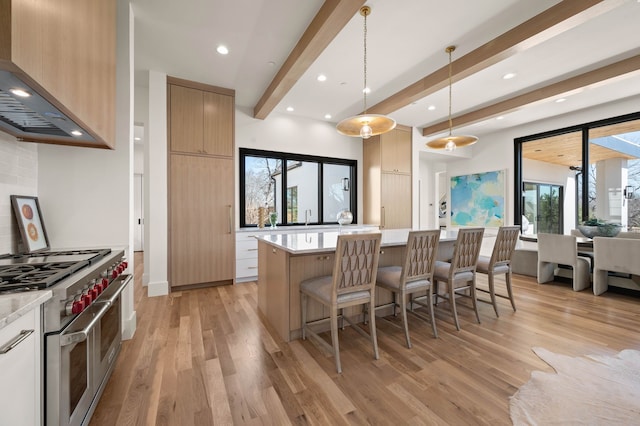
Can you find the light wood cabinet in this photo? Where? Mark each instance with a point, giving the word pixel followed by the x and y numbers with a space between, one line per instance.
pixel 395 201
pixel 387 179
pixel 395 151
pixel 201 119
pixel 202 236
pixel 201 184
pixel 66 52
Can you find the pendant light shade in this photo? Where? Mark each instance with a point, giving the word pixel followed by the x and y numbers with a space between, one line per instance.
pixel 451 142
pixel 365 125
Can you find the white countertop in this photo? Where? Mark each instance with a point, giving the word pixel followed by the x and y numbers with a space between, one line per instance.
pixel 299 228
pixel 317 242
pixel 14 305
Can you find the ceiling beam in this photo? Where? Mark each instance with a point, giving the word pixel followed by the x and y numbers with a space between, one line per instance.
pixel 621 69
pixel 557 19
pixel 328 22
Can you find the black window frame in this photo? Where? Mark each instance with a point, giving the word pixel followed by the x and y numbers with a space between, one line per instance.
pixel 584 128
pixel 285 157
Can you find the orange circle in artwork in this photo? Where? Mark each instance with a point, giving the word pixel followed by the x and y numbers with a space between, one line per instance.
pixel 32 231
pixel 27 211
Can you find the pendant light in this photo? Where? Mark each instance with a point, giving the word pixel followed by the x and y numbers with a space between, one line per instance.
pixel 451 142
pixel 365 125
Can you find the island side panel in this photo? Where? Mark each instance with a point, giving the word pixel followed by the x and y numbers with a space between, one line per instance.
pixel 273 287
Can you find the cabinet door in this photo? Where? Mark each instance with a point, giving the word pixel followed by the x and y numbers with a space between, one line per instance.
pixel 218 124
pixel 20 385
pixel 186 119
pixel 202 238
pixel 396 201
pixel 395 149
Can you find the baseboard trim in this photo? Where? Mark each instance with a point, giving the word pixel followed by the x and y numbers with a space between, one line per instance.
pixel 160 288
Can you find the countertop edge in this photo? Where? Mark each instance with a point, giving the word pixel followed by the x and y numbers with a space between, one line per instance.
pixel 13 306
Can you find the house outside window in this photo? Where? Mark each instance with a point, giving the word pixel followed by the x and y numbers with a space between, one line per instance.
pixel 309 190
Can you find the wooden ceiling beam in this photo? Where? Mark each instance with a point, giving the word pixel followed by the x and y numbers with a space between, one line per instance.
pixel 557 19
pixel 621 69
pixel 328 22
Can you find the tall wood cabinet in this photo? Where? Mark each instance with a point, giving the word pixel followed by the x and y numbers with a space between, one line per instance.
pixel 201 184
pixel 387 179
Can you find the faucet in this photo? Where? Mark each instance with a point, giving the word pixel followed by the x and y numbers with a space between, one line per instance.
pixel 307 214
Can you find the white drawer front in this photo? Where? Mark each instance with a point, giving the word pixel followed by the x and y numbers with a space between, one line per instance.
pixel 246 268
pixel 247 249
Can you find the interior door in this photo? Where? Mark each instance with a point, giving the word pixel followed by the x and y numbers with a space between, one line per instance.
pixel 138 221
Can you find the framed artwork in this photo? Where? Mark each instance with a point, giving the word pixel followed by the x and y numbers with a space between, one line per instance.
pixel 29 217
pixel 478 199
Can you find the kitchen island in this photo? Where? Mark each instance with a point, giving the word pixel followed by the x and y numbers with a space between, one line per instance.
pixel 285 260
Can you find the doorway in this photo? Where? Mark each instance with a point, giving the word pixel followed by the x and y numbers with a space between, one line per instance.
pixel 542 206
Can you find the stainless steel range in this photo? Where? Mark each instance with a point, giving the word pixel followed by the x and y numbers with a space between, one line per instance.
pixel 81 323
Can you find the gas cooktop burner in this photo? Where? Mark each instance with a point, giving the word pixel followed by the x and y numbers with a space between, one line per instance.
pixel 37 276
pixel 36 271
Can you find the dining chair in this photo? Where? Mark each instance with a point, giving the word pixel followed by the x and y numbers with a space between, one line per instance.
pixel 500 263
pixel 415 276
pixel 460 273
pixel 556 249
pixel 352 283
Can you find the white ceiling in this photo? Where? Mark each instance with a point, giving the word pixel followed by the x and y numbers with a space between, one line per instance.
pixel 405 42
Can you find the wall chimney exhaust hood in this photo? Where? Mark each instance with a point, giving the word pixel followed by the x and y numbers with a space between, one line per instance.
pixel 28 116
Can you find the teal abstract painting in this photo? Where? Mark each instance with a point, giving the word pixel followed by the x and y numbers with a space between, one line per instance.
pixel 478 199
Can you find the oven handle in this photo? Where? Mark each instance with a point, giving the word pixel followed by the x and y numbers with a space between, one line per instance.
pixel 113 297
pixel 80 336
pixel 67 339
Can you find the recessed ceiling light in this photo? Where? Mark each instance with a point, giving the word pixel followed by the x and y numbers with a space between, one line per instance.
pixel 222 49
pixel 76 133
pixel 327 116
pixel 136 138
pixel 500 118
pixel 290 108
pixel 509 76
pixel 560 100
pixel 21 93
pixel 271 63
pixel 431 107
pixel 322 77
pixel 366 90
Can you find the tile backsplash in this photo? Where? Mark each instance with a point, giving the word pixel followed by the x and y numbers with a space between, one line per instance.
pixel 18 175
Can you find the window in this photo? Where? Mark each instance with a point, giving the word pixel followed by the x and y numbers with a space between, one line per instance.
pixel 598 164
pixel 308 190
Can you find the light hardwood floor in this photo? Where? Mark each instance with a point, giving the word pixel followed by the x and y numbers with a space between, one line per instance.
pixel 205 357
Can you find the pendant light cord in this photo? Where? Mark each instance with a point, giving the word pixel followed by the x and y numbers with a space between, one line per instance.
pixel 450 49
pixel 365 62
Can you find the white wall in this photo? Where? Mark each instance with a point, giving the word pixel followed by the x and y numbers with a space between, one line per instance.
pixel 85 193
pixel 18 176
pixel 495 151
pixel 155 187
pixel 288 133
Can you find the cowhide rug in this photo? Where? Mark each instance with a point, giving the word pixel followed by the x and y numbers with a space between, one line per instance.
pixel 589 390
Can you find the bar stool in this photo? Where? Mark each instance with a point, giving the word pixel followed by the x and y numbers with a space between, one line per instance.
pixel 352 283
pixel 460 273
pixel 415 276
pixel 500 263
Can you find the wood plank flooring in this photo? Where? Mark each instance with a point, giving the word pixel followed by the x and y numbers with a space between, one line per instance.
pixel 206 357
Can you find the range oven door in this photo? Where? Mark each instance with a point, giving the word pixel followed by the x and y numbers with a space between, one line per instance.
pixel 108 332
pixel 70 381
